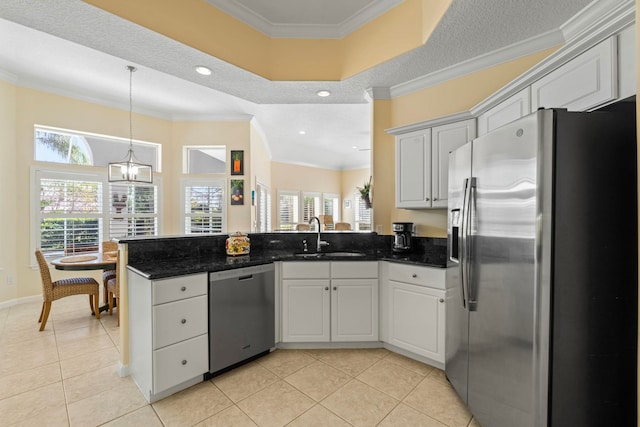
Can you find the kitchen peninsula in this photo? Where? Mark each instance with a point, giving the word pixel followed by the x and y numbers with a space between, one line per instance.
pixel 357 294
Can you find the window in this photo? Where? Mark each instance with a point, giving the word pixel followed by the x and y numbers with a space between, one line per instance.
pixel 205 159
pixel 204 206
pixel 263 208
pixel 79 210
pixel 331 206
pixel 288 210
pixel 310 206
pixel 362 214
pixel 133 210
pixel 69 219
pixel 82 148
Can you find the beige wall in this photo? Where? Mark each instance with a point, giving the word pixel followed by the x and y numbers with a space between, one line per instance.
pixel 235 136
pixel 8 211
pixel 447 98
pixel 21 108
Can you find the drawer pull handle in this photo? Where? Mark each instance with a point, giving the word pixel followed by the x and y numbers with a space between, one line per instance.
pixel 184 288
pixel 183 321
pixel 414 275
pixel 184 362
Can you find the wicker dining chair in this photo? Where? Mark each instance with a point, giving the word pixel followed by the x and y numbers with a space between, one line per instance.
pixel 52 291
pixel 108 246
pixel 342 226
pixel 113 289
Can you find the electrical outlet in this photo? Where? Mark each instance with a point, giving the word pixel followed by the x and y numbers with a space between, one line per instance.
pixel 379 228
pixel 9 280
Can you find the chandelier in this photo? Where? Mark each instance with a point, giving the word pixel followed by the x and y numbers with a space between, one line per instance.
pixel 130 169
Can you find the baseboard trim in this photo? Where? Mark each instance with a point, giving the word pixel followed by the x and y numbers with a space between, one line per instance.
pixel 17 301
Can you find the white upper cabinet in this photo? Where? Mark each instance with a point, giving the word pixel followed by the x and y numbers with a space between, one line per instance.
pixel 512 108
pixel 422 163
pixel 445 139
pixel 413 170
pixel 585 82
pixel 627 62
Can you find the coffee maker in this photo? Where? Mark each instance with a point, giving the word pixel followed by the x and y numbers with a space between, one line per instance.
pixel 402 239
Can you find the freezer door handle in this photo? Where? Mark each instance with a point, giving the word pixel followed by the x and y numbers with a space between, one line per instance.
pixel 468 255
pixel 462 241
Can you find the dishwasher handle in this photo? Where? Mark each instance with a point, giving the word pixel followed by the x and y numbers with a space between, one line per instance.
pixel 247 277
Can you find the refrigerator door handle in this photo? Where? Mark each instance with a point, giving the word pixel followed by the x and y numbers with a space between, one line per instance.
pixel 463 242
pixel 468 250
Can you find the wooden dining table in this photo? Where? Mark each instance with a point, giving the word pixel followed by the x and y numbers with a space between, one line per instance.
pixel 89 261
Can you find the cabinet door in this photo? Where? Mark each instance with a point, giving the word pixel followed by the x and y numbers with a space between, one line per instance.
pixel 413 170
pixel 627 62
pixel 445 139
pixel 354 310
pixel 416 319
pixel 581 84
pixel 509 110
pixel 305 310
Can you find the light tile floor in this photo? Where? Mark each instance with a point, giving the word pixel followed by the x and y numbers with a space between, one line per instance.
pixel 66 375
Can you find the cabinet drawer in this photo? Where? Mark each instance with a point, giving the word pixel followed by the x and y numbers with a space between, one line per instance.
pixel 422 276
pixel 354 270
pixel 179 320
pixel 306 270
pixel 177 288
pixel 180 362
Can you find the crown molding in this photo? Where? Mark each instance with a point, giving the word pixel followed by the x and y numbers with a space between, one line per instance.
pixel 597 26
pixel 8 77
pixel 444 120
pixel 597 21
pixel 313 31
pixel 211 117
pixel 499 56
pixel 374 93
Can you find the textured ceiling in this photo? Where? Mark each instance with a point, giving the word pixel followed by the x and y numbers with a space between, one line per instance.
pixel 70 47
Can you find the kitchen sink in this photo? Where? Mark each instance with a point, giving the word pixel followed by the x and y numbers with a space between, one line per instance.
pixel 330 255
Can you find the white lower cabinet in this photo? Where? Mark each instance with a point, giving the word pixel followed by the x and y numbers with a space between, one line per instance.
pixel 168 328
pixel 415 310
pixel 329 301
pixel 306 312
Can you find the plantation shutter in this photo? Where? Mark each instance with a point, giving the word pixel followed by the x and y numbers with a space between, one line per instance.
pixel 287 210
pixel 70 215
pixel 204 208
pixel 133 210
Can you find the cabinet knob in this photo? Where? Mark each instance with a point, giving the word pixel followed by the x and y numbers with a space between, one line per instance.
pixel 426 199
pixel 184 288
pixel 335 288
pixel 414 275
pixel 183 321
pixel 441 300
pixel 184 362
pixel 435 199
pixel 326 288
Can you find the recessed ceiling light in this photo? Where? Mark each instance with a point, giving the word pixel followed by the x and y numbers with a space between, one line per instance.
pixel 323 93
pixel 201 69
pixel 302 132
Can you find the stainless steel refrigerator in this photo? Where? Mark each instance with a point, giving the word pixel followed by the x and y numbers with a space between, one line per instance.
pixel 541 313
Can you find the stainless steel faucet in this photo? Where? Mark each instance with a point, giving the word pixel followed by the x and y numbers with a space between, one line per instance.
pixel 321 242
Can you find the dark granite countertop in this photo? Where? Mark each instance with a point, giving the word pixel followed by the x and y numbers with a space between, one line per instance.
pixel 162 258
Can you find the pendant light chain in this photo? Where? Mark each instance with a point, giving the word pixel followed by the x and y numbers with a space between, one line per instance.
pixel 129 169
pixel 131 69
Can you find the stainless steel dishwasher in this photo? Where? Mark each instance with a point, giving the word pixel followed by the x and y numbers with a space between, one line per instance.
pixel 241 315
